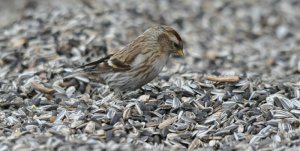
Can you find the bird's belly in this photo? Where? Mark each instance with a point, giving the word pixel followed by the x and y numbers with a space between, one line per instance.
pixel 131 80
pixel 126 81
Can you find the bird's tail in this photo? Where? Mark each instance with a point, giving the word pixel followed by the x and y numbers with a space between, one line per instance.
pixel 85 76
pixel 78 74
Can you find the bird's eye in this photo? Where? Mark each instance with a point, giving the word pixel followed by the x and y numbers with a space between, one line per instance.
pixel 175 45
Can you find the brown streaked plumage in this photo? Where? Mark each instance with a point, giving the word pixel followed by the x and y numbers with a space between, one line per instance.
pixel 139 62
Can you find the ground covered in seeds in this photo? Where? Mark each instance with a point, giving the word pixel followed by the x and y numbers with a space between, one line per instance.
pixel 237 88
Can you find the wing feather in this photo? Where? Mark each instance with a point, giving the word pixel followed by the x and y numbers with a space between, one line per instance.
pixel 119 61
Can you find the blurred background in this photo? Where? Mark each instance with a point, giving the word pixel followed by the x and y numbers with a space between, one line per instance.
pixel 254 37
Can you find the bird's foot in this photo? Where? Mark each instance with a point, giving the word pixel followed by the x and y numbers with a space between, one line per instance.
pixel 118 95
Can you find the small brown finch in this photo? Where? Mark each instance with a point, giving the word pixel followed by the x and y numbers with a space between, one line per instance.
pixel 137 63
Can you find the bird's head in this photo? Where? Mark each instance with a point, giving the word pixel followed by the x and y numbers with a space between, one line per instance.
pixel 168 39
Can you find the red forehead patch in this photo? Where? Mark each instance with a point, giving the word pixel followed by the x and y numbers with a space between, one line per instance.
pixel 172 31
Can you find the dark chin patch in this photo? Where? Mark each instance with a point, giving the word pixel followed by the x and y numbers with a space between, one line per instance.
pixel 174 55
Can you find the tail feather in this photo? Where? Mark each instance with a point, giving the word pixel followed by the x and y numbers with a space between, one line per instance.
pixel 89 71
pixel 78 75
pixel 85 76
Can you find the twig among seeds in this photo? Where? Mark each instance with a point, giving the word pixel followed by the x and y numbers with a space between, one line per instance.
pixel 167 122
pixel 223 78
pixel 39 87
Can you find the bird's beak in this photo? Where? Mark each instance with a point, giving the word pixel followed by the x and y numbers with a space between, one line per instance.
pixel 179 52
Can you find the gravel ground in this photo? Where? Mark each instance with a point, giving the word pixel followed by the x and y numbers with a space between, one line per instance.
pixel 237 87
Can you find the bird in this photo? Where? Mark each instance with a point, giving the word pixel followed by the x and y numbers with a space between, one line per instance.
pixel 139 62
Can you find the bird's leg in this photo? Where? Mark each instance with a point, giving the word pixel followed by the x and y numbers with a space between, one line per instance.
pixel 118 94
pixel 106 91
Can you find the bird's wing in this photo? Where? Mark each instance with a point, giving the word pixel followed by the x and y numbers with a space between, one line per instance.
pixel 106 64
pixel 130 53
pixel 120 61
pixel 94 63
pixel 94 69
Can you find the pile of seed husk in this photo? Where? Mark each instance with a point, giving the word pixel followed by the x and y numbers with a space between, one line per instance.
pixel 237 87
